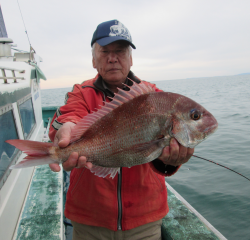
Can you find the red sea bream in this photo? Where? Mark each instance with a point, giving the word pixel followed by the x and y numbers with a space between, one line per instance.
pixel 130 130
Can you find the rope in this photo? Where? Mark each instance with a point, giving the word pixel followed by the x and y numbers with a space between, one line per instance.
pixel 221 166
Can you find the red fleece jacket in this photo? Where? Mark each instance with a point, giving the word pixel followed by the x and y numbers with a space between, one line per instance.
pixel 93 200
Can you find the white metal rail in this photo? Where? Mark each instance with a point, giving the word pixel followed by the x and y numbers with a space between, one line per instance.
pixel 13 70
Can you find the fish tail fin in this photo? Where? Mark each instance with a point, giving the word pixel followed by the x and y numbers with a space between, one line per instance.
pixel 38 153
pixel 31 161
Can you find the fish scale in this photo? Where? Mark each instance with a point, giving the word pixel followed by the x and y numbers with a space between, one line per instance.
pixel 124 136
pixel 130 130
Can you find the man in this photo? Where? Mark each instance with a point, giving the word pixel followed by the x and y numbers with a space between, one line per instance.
pixel 131 205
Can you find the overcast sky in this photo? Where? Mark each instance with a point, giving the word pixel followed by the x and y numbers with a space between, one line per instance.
pixel 175 39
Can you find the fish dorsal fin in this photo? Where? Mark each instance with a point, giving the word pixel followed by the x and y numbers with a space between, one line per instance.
pixel 120 98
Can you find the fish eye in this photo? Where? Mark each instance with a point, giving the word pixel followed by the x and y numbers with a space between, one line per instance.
pixel 195 114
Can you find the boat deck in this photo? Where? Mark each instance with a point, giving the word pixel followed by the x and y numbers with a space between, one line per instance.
pixel 184 222
pixel 42 215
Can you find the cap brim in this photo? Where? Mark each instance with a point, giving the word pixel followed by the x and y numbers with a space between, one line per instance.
pixel 107 40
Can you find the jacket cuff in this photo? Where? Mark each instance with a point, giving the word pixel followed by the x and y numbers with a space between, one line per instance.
pixel 162 169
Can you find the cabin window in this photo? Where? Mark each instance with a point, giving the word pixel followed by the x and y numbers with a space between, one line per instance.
pixel 8 153
pixel 27 115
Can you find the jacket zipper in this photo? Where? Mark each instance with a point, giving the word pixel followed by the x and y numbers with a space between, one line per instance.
pixel 119 186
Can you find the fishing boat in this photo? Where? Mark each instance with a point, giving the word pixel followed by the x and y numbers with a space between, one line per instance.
pixel 32 199
pixel 20 118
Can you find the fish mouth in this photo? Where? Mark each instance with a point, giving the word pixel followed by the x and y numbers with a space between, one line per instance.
pixel 211 129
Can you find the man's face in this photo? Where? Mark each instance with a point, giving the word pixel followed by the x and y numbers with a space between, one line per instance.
pixel 113 62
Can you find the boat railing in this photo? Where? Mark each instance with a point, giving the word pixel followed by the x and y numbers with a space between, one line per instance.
pixel 13 70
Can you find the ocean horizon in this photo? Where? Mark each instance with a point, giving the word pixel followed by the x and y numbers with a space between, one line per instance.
pixel 166 80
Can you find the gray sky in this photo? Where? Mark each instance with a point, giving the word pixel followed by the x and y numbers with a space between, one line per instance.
pixel 175 39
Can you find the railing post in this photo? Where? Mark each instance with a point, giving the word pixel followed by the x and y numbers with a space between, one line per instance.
pixel 13 74
pixel 4 75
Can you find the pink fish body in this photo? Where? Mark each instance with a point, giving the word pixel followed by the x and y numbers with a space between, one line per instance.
pixel 130 130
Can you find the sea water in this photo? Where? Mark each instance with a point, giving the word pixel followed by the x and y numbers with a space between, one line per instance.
pixel 220 195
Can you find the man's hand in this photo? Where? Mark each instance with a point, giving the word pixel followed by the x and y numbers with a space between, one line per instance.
pixel 62 138
pixel 175 154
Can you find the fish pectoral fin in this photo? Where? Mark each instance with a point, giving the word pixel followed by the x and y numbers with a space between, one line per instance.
pixel 147 146
pixel 104 171
pixel 155 148
pixel 148 151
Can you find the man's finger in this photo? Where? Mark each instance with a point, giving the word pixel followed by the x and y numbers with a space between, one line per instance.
pixel 82 162
pixel 174 149
pixel 64 142
pixel 165 155
pixel 89 165
pixel 71 162
pixel 190 152
pixel 55 167
pixel 63 135
pixel 183 154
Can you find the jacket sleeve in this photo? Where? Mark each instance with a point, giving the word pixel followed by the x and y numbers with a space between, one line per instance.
pixel 165 170
pixel 75 108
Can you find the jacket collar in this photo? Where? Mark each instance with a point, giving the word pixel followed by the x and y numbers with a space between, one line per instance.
pixel 101 85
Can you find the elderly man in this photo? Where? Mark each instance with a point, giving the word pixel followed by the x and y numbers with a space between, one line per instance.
pixel 131 205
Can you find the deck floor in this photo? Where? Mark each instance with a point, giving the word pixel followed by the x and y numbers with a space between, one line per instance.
pixel 42 213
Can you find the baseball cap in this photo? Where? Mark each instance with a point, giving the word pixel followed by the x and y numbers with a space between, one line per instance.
pixel 111 31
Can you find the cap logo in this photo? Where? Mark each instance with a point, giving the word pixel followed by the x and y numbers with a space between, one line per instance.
pixel 120 30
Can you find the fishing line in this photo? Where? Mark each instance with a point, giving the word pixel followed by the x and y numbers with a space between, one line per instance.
pixel 221 166
pixel 24 23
